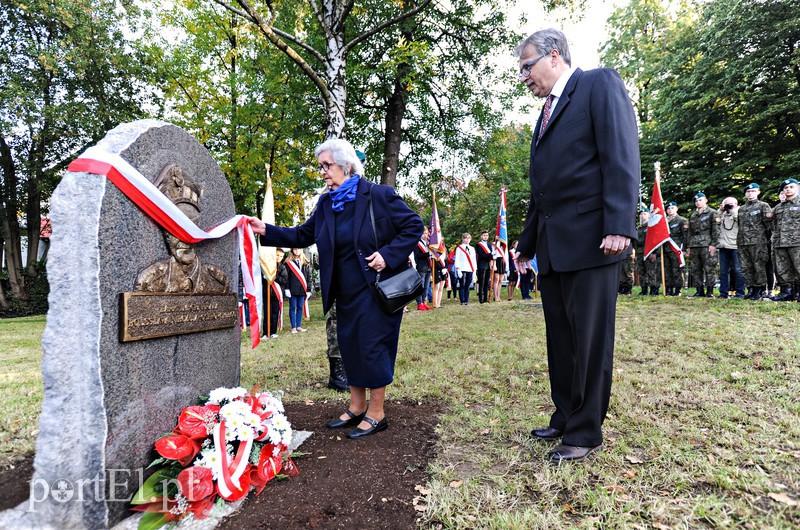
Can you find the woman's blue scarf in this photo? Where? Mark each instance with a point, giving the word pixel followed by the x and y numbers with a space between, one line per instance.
pixel 345 193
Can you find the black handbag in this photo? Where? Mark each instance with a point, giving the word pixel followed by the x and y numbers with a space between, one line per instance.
pixel 396 292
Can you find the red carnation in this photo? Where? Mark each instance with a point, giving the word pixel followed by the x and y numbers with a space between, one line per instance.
pixel 196 483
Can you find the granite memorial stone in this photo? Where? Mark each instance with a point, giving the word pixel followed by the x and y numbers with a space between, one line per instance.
pixel 105 400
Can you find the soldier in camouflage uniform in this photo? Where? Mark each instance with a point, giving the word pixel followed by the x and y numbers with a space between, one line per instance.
pixel 755 219
pixel 678 232
pixel 649 267
pixel 703 238
pixel 626 274
pixel 338 377
pixel 786 241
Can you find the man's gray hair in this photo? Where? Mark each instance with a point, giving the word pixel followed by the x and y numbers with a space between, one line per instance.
pixel 343 153
pixel 545 41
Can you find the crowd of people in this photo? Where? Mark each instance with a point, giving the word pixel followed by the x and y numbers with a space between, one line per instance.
pixel 752 248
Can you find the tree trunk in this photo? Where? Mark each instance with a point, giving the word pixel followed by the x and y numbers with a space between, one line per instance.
pixel 393 137
pixel 9 206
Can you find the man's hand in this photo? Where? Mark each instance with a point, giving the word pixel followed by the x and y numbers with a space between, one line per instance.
pixel 615 245
pixel 652 257
pixel 712 249
pixel 521 263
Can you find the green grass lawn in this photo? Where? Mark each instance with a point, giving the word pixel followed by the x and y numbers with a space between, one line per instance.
pixel 703 429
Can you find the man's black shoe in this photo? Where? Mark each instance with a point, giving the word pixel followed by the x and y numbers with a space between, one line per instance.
pixel 547 433
pixel 571 453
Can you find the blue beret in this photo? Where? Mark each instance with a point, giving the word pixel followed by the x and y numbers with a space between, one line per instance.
pixel 787 182
pixel 752 186
pixel 361 156
pixel 672 203
pixel 699 195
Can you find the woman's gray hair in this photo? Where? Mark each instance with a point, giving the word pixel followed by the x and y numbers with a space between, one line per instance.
pixel 545 41
pixel 343 153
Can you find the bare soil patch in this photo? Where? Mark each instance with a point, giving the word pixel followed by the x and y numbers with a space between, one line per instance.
pixel 365 483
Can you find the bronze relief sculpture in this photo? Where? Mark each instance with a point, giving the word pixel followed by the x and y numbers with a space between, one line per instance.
pixel 183 271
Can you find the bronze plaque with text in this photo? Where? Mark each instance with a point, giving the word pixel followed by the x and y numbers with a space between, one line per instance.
pixel 152 315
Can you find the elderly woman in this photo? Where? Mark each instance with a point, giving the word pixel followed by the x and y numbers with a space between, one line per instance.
pixel 349 262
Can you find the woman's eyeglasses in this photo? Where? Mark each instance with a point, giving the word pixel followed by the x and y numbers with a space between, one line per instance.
pixel 325 166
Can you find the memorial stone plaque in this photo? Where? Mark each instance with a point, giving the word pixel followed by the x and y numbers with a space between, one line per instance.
pixel 107 400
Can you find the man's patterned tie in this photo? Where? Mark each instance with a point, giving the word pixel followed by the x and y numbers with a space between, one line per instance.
pixel 545 115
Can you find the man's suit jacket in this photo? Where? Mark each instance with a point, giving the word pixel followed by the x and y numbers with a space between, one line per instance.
pixel 584 175
pixel 397 228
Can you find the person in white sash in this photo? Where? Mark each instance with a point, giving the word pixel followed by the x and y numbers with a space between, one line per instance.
pixel 465 266
pixel 296 277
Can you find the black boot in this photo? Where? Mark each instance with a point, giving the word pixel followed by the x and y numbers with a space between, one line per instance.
pixel 644 290
pixel 669 291
pixel 787 294
pixel 700 293
pixel 751 293
pixel 654 291
pixel 338 378
pixel 676 292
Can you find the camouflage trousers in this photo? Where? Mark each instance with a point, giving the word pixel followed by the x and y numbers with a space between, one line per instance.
pixel 673 273
pixel 787 264
pixel 753 259
pixel 649 271
pixel 703 267
pixel 626 272
pixel 330 333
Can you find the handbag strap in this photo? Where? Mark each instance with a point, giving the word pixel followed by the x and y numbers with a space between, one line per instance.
pixel 374 232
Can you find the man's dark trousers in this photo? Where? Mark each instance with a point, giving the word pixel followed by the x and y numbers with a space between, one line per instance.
pixel 580 372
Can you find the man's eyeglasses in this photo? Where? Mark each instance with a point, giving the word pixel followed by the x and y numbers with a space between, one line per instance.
pixel 525 71
pixel 325 166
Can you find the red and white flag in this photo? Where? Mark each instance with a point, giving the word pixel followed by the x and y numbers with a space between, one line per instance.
pixel 657 227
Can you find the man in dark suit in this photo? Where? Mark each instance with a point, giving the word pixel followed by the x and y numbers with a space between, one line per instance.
pixel 584 174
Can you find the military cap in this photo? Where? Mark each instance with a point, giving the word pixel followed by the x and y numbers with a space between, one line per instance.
pixel 787 182
pixel 361 156
pixel 752 186
pixel 699 195
pixel 672 203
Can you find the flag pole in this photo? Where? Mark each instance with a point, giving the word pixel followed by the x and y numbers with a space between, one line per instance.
pixel 663 278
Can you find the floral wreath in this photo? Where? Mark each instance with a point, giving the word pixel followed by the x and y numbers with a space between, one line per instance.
pixel 235 441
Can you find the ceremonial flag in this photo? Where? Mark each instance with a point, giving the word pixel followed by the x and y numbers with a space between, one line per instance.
pixel 502 227
pixel 266 255
pixel 657 228
pixel 436 242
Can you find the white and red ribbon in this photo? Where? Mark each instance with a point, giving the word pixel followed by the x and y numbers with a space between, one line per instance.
pixel 469 259
pixel 302 279
pixel 229 473
pixel 160 208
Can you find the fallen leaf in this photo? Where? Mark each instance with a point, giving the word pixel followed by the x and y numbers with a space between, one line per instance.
pixel 494 421
pixel 530 383
pixel 421 507
pixel 309 402
pixel 659 526
pixel 630 473
pixel 711 458
pixel 321 457
pixel 634 459
pixel 569 508
pixel 485 431
pixel 782 498
pixel 614 489
pixel 456 483
pixel 384 499
pixel 422 489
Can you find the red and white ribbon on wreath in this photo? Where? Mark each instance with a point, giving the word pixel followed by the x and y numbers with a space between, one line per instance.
pixel 302 279
pixel 229 473
pixel 160 208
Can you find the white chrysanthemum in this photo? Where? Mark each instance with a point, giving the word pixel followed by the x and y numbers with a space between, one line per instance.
pixel 208 458
pixel 221 395
pixel 270 402
pixel 280 422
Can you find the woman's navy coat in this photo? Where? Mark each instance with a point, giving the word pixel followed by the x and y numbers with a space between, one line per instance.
pixel 398 230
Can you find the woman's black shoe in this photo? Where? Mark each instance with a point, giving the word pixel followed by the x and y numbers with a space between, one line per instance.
pixel 338 423
pixel 377 426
